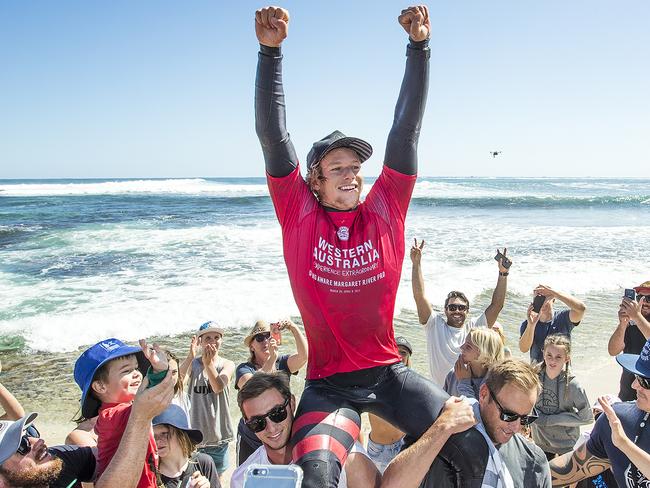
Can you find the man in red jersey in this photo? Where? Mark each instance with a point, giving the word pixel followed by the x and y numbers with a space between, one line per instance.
pixel 344 259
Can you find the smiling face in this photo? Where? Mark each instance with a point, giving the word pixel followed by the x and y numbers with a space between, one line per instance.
pixel 121 381
pixel 468 351
pixel 642 396
pixel 275 436
pixel 261 350
pixel 37 468
pixel 341 182
pixel 555 358
pixel 455 316
pixel 513 400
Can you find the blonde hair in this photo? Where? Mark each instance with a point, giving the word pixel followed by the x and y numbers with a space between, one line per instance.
pixel 489 344
pixel 521 375
pixel 559 340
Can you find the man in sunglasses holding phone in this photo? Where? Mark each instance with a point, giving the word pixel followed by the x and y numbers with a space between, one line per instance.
pixel 631 334
pixel 623 445
pixel 267 406
pixel 446 332
pixel 505 405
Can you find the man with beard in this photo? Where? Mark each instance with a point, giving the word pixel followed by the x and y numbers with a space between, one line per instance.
pixel 631 333
pixel 447 332
pixel 620 440
pixel 506 404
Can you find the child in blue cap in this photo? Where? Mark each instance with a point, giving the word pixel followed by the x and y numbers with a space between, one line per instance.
pixel 109 378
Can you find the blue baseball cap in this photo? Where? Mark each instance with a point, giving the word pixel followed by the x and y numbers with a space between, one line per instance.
pixel 10 434
pixel 94 358
pixel 176 417
pixel 637 363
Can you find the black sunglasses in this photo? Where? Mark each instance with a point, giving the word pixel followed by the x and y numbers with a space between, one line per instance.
pixel 643 381
pixel 25 446
pixel 262 336
pixel 453 307
pixel 277 414
pixel 511 416
pixel 639 297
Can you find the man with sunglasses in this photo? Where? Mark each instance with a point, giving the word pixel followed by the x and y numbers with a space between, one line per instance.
pixel 446 332
pixel 631 333
pixel 267 407
pixel 611 448
pixel 506 404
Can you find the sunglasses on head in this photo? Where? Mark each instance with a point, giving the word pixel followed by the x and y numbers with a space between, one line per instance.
pixel 277 414
pixel 262 336
pixel 643 381
pixel 453 307
pixel 511 416
pixel 25 446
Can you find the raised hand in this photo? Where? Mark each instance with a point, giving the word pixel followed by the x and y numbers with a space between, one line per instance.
pixel 631 308
pixel 532 316
pixel 415 21
pixel 194 347
pixel 416 251
pixel 545 290
pixel 504 262
pixel 154 355
pixel 271 25
pixel 618 434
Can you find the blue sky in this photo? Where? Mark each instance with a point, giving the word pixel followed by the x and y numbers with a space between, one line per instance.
pixel 165 89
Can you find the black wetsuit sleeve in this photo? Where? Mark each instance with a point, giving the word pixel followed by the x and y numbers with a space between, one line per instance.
pixel 401 148
pixel 270 117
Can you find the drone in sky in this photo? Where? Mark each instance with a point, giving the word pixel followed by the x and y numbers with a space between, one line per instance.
pixel 495 153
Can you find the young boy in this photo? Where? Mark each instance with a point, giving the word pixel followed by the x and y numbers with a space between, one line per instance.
pixel 209 393
pixel 108 376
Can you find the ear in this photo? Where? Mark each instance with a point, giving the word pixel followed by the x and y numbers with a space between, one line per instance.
pixel 483 394
pixel 98 386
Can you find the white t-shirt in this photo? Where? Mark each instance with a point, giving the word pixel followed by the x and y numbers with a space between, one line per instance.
pixel 443 343
pixel 260 457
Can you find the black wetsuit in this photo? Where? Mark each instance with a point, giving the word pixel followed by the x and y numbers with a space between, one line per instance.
pixel 328 418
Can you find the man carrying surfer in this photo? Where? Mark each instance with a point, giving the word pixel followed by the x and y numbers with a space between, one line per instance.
pixel 344 259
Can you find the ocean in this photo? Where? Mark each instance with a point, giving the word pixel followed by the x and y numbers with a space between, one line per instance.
pixel 83 260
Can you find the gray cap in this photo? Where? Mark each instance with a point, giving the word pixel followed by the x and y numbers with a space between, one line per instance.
pixel 10 434
pixel 333 141
pixel 401 341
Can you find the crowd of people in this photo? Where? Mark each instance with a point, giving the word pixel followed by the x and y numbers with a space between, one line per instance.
pixel 480 418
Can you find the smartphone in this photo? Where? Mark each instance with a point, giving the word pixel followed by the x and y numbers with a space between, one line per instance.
pixel 506 261
pixel 538 301
pixel 273 476
pixel 275 333
pixel 630 293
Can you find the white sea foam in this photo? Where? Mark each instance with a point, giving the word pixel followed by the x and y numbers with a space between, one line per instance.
pixel 195 186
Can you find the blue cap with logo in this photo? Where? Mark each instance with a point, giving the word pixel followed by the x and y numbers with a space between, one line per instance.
pixel 210 326
pixel 90 361
pixel 637 363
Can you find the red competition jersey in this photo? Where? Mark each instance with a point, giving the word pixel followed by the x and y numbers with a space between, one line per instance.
pixel 344 269
pixel 110 426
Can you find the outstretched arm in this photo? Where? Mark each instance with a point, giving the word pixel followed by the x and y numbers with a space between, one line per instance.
pixel 417 281
pixel 401 148
pixel 271 27
pixel 499 294
pixel 575 466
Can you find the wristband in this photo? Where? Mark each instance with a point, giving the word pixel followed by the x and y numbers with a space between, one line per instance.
pixel 506 273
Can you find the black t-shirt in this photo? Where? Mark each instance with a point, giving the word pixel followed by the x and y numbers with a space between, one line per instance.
pixel 78 464
pixel 634 342
pixel 199 462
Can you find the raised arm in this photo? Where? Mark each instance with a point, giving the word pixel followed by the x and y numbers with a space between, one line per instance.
pixel 575 466
pixel 298 359
pixel 417 281
pixel 577 308
pixel 526 339
pixel 271 27
pixel 633 310
pixel 401 148
pixel 499 294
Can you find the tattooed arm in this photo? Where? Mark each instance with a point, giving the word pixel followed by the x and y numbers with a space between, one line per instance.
pixel 575 466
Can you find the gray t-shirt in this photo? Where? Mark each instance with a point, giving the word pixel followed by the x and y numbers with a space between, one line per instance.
pixel 526 462
pixel 209 411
